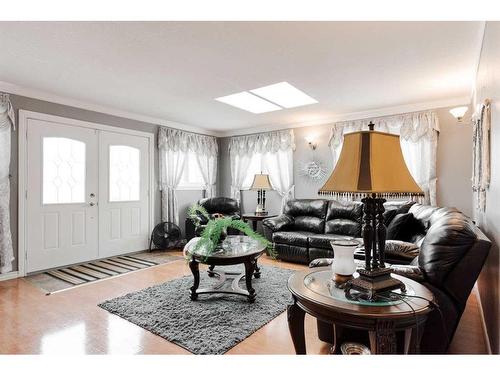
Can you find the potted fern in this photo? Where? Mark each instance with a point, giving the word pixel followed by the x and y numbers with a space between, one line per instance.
pixel 215 231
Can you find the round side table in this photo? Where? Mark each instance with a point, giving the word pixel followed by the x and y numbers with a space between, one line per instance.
pixel 313 293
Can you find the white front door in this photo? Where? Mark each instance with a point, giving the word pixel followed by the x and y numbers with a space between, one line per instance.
pixel 62 183
pixel 87 194
pixel 123 193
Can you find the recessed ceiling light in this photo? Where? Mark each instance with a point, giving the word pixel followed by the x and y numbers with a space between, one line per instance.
pixel 249 102
pixel 284 95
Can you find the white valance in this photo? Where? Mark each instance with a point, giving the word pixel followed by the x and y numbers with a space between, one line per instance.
pixel 178 140
pixel 281 140
pixel 409 126
pixel 7 123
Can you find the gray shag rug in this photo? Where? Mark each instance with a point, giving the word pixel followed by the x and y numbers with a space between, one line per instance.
pixel 215 322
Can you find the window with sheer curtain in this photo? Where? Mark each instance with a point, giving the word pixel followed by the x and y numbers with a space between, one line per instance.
pixel 192 177
pixel 270 153
pixel 186 160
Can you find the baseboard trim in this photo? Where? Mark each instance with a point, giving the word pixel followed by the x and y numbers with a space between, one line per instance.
pixel 481 316
pixel 9 276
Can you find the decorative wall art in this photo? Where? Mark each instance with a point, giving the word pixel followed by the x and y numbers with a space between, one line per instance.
pixel 481 122
pixel 313 170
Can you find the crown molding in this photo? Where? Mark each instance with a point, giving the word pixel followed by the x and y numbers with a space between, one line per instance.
pixel 15 89
pixel 387 111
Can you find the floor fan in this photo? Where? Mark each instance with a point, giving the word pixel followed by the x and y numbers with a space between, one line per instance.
pixel 166 235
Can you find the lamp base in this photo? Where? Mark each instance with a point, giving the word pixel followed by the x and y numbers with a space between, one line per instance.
pixel 373 282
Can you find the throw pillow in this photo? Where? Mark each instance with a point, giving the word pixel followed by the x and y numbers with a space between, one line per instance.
pixel 389 216
pixel 403 227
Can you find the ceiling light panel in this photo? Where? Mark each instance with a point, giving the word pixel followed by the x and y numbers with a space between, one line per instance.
pixel 284 95
pixel 249 102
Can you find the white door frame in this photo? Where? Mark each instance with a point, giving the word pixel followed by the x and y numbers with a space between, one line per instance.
pixel 24 116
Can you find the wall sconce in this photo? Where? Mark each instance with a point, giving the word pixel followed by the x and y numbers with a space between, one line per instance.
pixel 311 142
pixel 459 112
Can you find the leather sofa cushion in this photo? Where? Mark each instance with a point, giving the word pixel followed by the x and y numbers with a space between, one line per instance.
pixel 291 253
pixel 345 227
pixel 450 236
pixel 322 241
pixel 315 253
pixel 351 210
pixel 344 217
pixel 423 213
pixel 309 224
pixel 306 207
pixel 296 238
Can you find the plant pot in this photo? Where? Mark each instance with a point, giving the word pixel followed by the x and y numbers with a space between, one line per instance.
pixel 223 236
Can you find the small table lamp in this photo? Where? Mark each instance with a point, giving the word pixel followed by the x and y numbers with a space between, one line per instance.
pixel 371 166
pixel 261 183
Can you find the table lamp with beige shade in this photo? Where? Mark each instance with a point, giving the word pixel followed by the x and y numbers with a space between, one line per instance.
pixel 371 166
pixel 261 183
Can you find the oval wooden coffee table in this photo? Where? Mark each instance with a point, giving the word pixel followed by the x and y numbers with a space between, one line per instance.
pixel 314 293
pixel 235 250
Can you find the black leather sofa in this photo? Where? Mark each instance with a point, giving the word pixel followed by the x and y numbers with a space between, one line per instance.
pixel 452 252
pixel 220 205
pixel 304 231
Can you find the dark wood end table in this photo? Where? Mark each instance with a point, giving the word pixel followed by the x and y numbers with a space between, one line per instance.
pixel 255 218
pixel 235 250
pixel 312 294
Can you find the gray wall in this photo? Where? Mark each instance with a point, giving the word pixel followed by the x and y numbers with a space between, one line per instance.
pixel 454 162
pixel 488 86
pixel 19 102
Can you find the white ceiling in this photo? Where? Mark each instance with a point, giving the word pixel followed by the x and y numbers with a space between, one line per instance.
pixel 174 70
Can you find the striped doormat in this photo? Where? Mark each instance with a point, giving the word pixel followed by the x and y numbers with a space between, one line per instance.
pixel 68 277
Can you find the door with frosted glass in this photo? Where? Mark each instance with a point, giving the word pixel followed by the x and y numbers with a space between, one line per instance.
pixel 61 195
pixel 123 193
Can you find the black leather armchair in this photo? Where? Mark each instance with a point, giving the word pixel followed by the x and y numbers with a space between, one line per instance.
pixel 227 207
pixel 451 257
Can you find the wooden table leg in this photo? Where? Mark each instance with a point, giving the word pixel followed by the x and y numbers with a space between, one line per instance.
pixel 194 266
pixel 257 270
pixel 249 270
pixel 211 271
pixel 254 225
pixel 383 339
pixel 296 317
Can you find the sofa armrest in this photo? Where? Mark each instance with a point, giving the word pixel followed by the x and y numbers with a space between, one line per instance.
pixel 275 224
pixel 411 272
pixel 278 223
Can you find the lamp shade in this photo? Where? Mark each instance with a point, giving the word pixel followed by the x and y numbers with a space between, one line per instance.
pixel 261 182
pixel 371 162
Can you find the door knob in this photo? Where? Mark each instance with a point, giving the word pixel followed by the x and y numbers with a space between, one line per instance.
pixel 91 204
pixel 92 195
